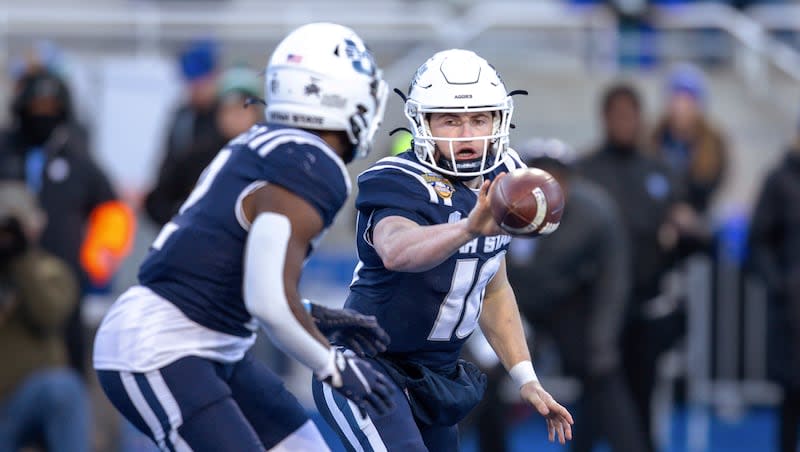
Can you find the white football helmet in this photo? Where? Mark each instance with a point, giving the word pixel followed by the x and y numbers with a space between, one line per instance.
pixel 458 81
pixel 322 76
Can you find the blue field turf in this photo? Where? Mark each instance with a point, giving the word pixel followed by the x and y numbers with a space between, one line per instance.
pixel 754 431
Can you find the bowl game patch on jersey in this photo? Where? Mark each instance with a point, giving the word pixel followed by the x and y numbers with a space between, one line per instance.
pixel 441 185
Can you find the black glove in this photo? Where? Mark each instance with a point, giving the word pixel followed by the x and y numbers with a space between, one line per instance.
pixel 346 327
pixel 357 380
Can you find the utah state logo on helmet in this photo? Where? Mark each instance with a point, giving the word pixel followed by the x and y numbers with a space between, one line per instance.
pixel 322 76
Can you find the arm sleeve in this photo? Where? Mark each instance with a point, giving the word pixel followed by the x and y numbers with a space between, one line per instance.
pixel 265 295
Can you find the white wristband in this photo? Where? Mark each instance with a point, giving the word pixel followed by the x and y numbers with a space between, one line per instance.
pixel 522 373
pixel 330 370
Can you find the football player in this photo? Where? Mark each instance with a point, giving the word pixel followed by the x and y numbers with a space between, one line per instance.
pixel 432 264
pixel 171 352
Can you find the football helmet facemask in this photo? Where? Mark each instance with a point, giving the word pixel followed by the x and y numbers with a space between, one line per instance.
pixel 322 76
pixel 458 81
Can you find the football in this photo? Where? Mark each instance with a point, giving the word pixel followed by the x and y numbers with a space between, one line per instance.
pixel 527 202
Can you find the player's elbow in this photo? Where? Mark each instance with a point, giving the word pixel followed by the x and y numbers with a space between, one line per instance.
pixel 398 261
pixel 394 264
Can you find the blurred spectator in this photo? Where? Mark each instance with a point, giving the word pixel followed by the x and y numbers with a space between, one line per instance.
pixel 194 118
pixel 645 193
pixel 573 286
pixel 401 142
pixel 638 40
pixel 89 228
pixel 775 253
pixel 42 56
pixel 234 115
pixel 687 140
pixel 180 173
pixel 41 398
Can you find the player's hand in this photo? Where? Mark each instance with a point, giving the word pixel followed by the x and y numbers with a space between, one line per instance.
pixel 346 327
pixel 480 220
pixel 357 380
pixel 559 421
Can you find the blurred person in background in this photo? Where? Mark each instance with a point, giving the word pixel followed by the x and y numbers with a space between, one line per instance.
pixel 89 228
pixel 645 193
pixel 41 56
pixel 688 141
pixel 42 400
pixel 402 142
pixel 775 255
pixel 194 118
pixel 574 286
pixel 231 117
pixel 173 352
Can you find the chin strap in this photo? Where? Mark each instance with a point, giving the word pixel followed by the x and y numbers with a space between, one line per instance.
pixel 463 166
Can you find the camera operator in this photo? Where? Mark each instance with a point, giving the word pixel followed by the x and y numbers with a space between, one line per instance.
pixel 42 400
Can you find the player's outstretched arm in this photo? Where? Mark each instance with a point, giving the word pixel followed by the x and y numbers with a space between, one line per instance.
pixel 502 326
pixel 406 246
pixel 283 225
pixel 559 420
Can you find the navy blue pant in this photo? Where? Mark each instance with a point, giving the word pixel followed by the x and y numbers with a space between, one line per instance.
pixel 201 405
pixel 394 431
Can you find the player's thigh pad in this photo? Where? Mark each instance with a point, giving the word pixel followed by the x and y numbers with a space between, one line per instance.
pixel 394 431
pixel 185 406
pixel 271 409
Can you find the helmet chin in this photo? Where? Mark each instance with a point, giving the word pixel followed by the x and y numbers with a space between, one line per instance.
pixel 470 167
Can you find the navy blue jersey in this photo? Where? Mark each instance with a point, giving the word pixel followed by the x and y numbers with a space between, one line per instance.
pixel 429 314
pixel 196 262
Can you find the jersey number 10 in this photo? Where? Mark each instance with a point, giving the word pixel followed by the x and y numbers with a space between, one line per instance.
pixel 464 300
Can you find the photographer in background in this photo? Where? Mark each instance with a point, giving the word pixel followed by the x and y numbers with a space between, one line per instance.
pixel 42 400
pixel 91 228
pixel 574 286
